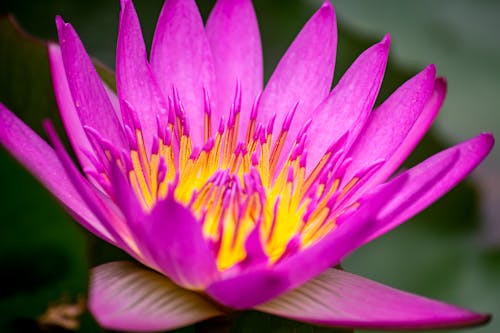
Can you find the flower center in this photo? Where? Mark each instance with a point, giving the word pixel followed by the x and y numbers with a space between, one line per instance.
pixel 236 187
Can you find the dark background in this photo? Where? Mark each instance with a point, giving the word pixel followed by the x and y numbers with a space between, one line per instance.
pixel 450 252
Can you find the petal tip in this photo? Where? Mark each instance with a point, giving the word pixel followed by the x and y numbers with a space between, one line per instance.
pixel 441 82
pixel 426 78
pixel 63 29
pixel 59 22
pixel 440 88
pixel 386 41
pixel 327 4
pixel 431 70
pixel 327 9
pixel 483 318
pixel 488 140
pixel 384 45
pixel 473 320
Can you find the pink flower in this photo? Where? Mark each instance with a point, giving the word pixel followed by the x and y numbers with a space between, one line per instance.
pixel 233 198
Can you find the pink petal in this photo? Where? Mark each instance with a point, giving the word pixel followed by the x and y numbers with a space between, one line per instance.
pixel 114 102
pixel 240 291
pixel 100 205
pixel 67 108
pixel 176 243
pixel 89 95
pixel 233 34
pixel 350 102
pixel 125 297
pixel 41 161
pixel 341 299
pixel 133 213
pixel 351 231
pixel 248 289
pixel 181 58
pixel 414 135
pixel 304 74
pixel 390 124
pixel 430 180
pixel 134 79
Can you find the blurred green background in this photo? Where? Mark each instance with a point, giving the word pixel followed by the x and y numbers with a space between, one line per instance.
pixel 450 252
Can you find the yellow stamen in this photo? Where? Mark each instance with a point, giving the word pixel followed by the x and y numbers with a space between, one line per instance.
pixel 233 187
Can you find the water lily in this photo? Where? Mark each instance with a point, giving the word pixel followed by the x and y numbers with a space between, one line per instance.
pixel 235 196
